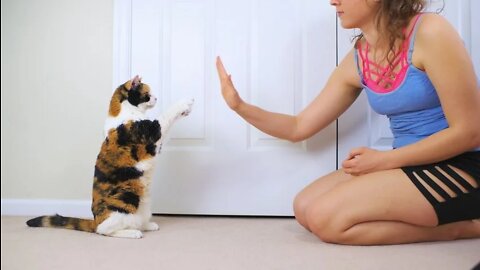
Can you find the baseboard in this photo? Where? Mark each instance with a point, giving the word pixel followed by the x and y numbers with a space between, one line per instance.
pixel 71 208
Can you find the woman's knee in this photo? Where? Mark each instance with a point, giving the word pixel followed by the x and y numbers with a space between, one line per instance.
pixel 300 205
pixel 310 195
pixel 325 221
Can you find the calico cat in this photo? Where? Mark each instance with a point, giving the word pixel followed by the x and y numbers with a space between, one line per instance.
pixel 124 166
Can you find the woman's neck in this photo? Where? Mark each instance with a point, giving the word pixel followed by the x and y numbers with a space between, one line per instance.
pixel 373 36
pixel 374 39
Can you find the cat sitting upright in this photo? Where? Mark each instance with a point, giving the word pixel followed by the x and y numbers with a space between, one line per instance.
pixel 123 171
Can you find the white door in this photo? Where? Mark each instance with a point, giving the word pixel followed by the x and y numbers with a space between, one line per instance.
pixel 279 52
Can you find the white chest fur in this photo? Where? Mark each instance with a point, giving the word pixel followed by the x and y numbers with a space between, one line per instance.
pixel 128 112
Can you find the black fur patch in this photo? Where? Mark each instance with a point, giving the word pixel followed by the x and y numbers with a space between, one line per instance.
pixel 35 222
pixel 134 152
pixel 136 97
pixel 100 175
pixel 123 135
pixel 150 148
pixel 130 198
pixel 126 173
pixel 58 221
pixel 113 191
pixel 146 131
pixel 141 132
pixel 118 175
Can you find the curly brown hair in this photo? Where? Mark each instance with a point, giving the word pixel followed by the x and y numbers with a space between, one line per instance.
pixel 394 16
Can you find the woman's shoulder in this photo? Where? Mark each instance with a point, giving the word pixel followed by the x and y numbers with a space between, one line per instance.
pixel 435 31
pixel 431 25
pixel 435 38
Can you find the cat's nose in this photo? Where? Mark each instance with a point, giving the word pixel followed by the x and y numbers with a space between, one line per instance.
pixel 153 100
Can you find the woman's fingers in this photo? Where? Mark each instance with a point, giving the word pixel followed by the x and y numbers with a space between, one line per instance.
pixel 228 90
pixel 222 73
pixel 225 78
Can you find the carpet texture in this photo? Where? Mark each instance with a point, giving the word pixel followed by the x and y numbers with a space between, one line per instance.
pixel 217 243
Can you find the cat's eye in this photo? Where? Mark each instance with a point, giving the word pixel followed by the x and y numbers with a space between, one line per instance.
pixel 147 98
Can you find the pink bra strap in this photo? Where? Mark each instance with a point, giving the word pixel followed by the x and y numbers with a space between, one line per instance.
pixel 382 72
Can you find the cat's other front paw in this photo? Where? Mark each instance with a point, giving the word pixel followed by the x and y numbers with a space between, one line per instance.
pixel 133 234
pixel 150 226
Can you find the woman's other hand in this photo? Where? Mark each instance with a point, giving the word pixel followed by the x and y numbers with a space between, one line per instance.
pixel 364 160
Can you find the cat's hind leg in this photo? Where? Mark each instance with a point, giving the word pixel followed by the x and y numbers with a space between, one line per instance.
pixel 150 226
pixel 120 225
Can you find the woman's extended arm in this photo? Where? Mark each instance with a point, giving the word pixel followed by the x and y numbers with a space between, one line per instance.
pixel 339 93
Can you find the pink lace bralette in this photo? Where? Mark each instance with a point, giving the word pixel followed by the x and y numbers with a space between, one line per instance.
pixel 385 79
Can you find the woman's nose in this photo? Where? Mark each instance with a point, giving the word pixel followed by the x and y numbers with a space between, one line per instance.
pixel 334 2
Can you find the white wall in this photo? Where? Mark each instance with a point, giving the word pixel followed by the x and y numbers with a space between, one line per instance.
pixel 56 74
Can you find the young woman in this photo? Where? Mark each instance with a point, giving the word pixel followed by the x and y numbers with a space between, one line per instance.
pixel 414 69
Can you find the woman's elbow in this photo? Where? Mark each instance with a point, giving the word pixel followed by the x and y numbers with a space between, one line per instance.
pixel 472 137
pixel 475 138
pixel 295 139
pixel 298 137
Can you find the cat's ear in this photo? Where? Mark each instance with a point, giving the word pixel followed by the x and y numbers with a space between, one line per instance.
pixel 136 81
pixel 133 82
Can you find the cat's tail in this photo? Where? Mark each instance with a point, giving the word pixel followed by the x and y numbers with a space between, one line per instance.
pixel 58 221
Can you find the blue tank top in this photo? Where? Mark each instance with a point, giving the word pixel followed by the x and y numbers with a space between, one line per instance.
pixel 413 107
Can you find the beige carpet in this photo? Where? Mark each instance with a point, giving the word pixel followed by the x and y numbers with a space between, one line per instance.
pixel 217 243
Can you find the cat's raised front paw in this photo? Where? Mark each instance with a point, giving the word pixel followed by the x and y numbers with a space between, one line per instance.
pixel 186 106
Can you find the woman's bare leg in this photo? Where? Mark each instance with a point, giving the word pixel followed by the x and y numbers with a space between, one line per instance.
pixel 379 208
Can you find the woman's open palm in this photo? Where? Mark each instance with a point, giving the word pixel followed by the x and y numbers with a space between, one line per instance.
pixel 228 90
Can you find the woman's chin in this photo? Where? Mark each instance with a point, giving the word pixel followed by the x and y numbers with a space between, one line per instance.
pixel 346 25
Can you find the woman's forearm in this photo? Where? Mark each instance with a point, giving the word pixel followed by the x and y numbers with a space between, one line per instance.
pixel 278 125
pixel 439 146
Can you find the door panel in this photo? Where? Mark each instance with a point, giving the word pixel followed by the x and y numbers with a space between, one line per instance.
pixel 279 53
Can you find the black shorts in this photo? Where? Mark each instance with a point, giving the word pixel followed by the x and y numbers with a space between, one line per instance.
pixel 455 198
